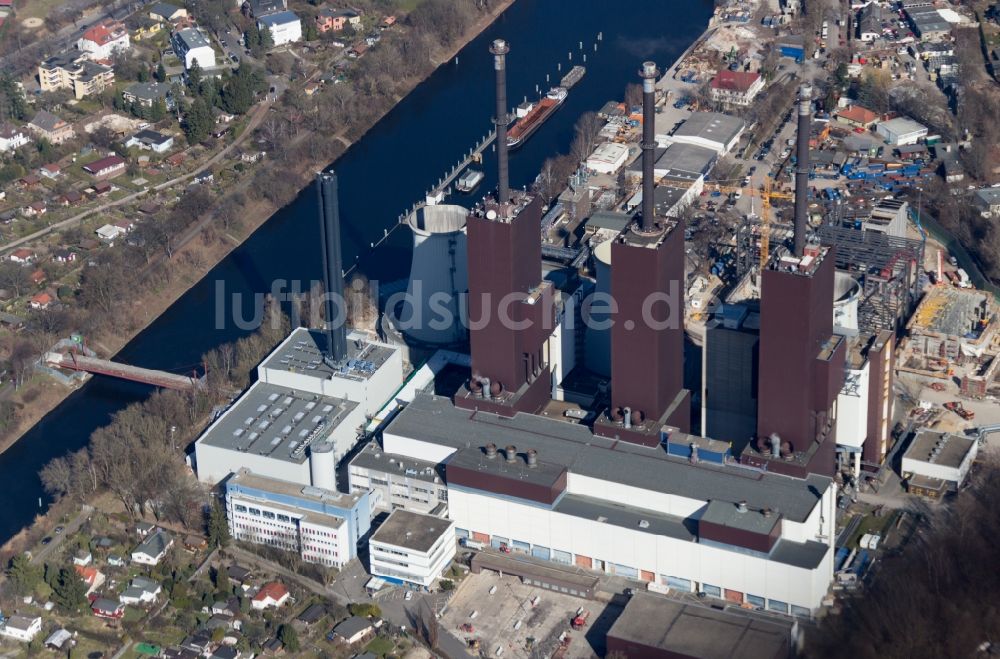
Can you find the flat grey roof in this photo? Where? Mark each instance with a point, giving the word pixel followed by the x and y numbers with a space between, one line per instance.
pixel 373 457
pixel 193 38
pixel 726 513
pixel 435 420
pixel 713 126
pixel 627 517
pixel 687 160
pixel 951 448
pixel 414 531
pixel 691 630
pixel 277 486
pixel 612 220
pixel 279 18
pixel 806 555
pixel 277 422
pixel 545 472
pixel 303 350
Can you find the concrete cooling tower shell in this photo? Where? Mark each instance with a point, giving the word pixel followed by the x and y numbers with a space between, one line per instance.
pixel 323 466
pixel 439 276
pixel 846 295
pixel 597 355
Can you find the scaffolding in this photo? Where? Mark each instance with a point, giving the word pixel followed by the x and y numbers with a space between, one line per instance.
pixel 888 268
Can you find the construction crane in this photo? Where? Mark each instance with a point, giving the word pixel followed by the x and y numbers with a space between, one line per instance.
pixel 766 195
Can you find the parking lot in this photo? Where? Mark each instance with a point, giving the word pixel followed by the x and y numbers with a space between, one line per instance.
pixel 509 619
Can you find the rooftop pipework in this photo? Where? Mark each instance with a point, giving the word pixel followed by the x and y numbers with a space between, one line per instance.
pixel 802 169
pixel 649 74
pixel 333 270
pixel 499 48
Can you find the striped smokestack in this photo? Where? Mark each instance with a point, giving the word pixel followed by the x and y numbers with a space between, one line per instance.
pixel 802 169
pixel 649 74
pixel 499 48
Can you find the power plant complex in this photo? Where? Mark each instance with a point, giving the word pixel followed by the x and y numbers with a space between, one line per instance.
pixel 530 430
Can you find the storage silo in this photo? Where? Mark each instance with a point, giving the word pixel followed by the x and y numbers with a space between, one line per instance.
pixel 597 355
pixel 439 276
pixel 323 466
pixel 846 294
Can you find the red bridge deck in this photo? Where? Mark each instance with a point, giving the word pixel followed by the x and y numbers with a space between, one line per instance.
pixel 76 362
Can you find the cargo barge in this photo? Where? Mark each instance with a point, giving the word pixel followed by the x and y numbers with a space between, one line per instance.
pixel 524 127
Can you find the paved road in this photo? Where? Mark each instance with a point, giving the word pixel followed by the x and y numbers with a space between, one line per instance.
pixel 74 525
pixel 257 117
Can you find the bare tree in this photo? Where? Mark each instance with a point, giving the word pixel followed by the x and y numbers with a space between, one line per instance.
pixel 633 95
pixel 585 133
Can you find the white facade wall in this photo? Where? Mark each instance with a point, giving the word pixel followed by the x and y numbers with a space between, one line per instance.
pixel 852 411
pixel 661 555
pixel 628 495
pixel 414 448
pixel 284 32
pixel 560 348
pixel 215 463
pixel 278 527
pixel 819 526
pixel 392 490
pixel 421 568
pixel 22 628
pixel 104 51
pixel 16 141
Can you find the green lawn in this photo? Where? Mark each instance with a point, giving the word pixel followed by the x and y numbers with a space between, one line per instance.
pixel 871 524
pixel 38 8
pixel 380 646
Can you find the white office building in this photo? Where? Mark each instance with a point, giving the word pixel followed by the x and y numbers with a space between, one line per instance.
pixel 938 456
pixel 395 482
pixel 285 27
pixel 412 549
pixel 687 517
pixel 192 45
pixel 322 526
pixel 901 131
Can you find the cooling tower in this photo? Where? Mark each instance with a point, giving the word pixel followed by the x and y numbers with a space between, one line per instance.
pixel 439 276
pixel 598 348
pixel 846 293
pixel 323 466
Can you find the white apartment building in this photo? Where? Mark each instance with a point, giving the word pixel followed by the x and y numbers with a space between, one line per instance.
pixel 320 525
pixel 285 27
pixel 412 549
pixel 191 45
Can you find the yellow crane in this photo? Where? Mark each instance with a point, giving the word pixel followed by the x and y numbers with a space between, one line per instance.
pixel 766 194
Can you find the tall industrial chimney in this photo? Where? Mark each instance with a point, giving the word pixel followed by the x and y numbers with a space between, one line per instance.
pixel 499 48
pixel 333 271
pixel 649 74
pixel 802 169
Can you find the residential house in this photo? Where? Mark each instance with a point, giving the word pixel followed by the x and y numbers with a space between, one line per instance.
pixel 226 652
pixel 388 21
pixel 12 137
pixel 47 125
pixel 22 628
pixel 311 615
pixel 144 94
pixel 736 87
pixel 164 12
pixel 987 200
pixel 37 277
pixel 230 607
pixel 63 256
pixel 102 607
pixel 22 256
pixel 335 20
pixel 76 72
pixel 34 209
pixel 142 27
pixel 194 543
pixel 199 642
pixel 870 23
pixel 152 550
pixel 41 301
pixel 91 576
pixel 351 631
pixel 857 116
pixel 50 171
pixel 258 8
pixel 28 181
pixel 141 591
pixel 104 39
pixel 114 560
pixel 240 576
pixel 70 198
pixel 151 140
pixel 101 188
pixel 106 168
pixel 191 45
pixel 271 595
pixel 143 529
pixel 285 27
pixel 82 557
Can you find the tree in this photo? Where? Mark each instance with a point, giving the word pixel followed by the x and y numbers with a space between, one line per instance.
pixel 198 121
pixel 158 110
pixel 447 585
pixel 194 77
pixel 70 593
pixel 218 529
pixel 364 610
pixel 289 638
pixel 161 72
pixel 23 575
pixel 222 581
pixel 585 135
pixel 633 95
pixel 14 277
